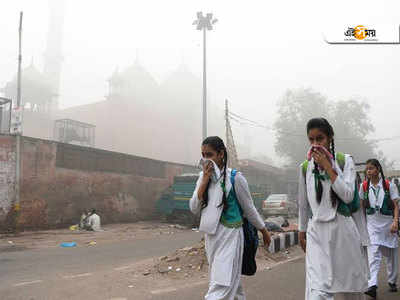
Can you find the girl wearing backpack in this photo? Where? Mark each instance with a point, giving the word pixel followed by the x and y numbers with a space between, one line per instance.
pixel 380 198
pixel 220 206
pixel 335 266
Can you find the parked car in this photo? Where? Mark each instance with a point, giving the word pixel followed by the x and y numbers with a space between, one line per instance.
pixel 279 205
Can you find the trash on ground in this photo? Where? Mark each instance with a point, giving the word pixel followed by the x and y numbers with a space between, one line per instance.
pixel 68 244
pixel 273 227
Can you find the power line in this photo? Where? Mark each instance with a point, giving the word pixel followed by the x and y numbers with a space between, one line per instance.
pixel 245 121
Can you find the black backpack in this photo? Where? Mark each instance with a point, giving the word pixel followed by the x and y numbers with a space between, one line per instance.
pixel 249 265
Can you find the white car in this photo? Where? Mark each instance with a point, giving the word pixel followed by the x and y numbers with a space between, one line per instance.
pixel 278 205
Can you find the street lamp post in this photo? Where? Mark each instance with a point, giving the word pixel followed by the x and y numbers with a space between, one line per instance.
pixel 204 24
pixel 18 160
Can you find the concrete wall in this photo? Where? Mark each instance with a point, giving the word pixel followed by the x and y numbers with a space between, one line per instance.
pixel 59 180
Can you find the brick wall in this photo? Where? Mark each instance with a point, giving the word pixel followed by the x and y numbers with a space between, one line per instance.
pixel 59 180
pixel 7 175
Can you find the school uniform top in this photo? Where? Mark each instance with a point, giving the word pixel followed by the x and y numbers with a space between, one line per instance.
pixel 324 212
pixel 334 261
pixel 211 215
pixel 378 224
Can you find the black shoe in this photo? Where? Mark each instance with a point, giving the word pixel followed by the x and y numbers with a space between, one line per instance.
pixel 393 287
pixel 371 291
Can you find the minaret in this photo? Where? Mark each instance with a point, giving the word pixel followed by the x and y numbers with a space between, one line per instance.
pixel 53 54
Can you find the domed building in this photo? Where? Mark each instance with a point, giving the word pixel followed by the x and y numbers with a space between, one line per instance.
pixel 36 94
pixel 144 118
pixel 38 100
pixel 181 117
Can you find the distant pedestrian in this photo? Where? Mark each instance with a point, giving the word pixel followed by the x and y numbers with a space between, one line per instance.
pixel 221 220
pixel 335 265
pixel 94 223
pixel 396 183
pixel 381 198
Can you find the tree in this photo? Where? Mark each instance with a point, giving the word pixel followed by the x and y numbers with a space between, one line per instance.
pixel 349 119
pixel 294 110
pixel 351 124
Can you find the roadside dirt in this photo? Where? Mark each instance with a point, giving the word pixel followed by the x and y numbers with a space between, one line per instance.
pixel 111 233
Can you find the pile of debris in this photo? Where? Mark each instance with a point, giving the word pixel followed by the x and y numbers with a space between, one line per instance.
pixel 183 262
pixel 192 261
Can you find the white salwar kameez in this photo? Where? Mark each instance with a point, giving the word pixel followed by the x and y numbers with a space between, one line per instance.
pixel 335 265
pixel 383 242
pixel 360 219
pixel 224 246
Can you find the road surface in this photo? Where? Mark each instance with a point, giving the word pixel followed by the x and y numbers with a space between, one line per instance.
pixel 107 272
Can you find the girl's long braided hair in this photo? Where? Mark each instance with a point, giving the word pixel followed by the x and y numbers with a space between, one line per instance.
pixel 217 144
pixel 386 187
pixel 323 125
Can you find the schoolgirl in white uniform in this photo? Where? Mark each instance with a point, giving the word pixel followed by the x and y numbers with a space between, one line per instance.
pixel 335 267
pixel 381 199
pixel 221 221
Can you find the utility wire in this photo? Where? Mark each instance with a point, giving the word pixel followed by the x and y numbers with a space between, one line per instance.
pixel 245 121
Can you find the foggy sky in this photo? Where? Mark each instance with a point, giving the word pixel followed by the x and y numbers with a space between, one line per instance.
pixel 257 50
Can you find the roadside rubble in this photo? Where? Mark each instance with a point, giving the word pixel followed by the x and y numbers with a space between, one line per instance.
pixel 183 262
pixel 192 261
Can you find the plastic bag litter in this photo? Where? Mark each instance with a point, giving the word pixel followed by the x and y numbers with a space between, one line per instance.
pixel 68 244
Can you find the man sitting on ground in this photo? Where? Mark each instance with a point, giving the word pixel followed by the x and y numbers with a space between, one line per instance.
pixel 94 223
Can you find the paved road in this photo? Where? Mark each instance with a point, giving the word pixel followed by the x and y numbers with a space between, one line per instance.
pixel 44 274
pixel 284 282
pixel 44 264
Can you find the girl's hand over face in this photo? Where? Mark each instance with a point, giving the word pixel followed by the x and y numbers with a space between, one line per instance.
pixel 208 170
pixel 321 159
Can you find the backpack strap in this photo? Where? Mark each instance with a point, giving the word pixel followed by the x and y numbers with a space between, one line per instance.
pixel 341 159
pixel 387 185
pixel 233 174
pixel 365 186
pixel 304 167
